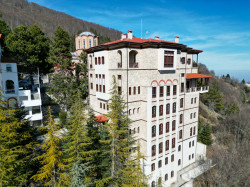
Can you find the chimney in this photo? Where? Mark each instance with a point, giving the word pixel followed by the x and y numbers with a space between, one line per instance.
pixel 0 49
pixel 130 34
pixel 176 39
pixel 123 36
pixel 156 37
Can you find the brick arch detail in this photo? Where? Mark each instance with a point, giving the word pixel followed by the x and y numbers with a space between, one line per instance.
pixel 154 81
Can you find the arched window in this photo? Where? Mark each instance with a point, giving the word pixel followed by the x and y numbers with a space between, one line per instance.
pixel 134 111
pixel 138 110
pixel 153 111
pixel 167 127
pixel 173 142
pixel 168 108
pixel 160 147
pixel 179 162
pixel 173 125
pixel 174 107
pixel 153 150
pixel 181 118
pixel 132 59
pixel 129 112
pixel 161 110
pixel 166 177
pixel 10 88
pixel 179 148
pixel 154 131
pixel 180 134
pixel 153 184
pixel 120 60
pixel 167 145
pixel 160 129
pixel 172 174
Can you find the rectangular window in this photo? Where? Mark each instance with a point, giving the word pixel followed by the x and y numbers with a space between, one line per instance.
pixel 180 134
pixel 129 90
pixel 139 90
pixel 8 68
pixel 119 77
pixel 167 145
pixel 161 91
pixel 181 103
pixel 153 111
pixel 169 59
pixel 96 87
pixel 100 105
pixel 174 89
pixel 182 87
pixel 91 86
pixel 119 90
pixel 191 131
pixel 154 131
pixel 183 74
pixel 94 42
pixel 134 90
pixel 100 88
pixel 194 131
pixel 161 110
pixel 153 92
pixel 168 90
pixel 103 88
pixel 183 60
pixel 181 118
pixel 95 60
pixel 103 60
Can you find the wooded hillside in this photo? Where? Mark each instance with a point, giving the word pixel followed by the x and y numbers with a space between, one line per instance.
pixel 17 12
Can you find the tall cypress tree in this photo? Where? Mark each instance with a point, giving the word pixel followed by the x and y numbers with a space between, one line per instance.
pixel 17 144
pixel 206 135
pixel 53 164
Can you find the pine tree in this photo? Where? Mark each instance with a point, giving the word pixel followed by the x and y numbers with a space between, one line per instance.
pixel 30 47
pixel 53 164
pixel 17 145
pixel 60 49
pixel 132 174
pixel 119 141
pixel 80 155
pixel 206 135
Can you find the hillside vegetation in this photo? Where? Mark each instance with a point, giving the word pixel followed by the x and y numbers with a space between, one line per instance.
pixel 22 12
pixel 225 109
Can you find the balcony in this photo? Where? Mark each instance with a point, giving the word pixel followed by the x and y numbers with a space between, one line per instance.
pixel 119 65
pixel 134 65
pixel 202 89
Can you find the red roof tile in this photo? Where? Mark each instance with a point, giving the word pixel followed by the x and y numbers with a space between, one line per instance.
pixel 101 118
pixel 196 76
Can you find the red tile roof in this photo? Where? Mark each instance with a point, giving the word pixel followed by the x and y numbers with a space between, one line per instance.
pixel 101 118
pixel 196 76
pixel 149 41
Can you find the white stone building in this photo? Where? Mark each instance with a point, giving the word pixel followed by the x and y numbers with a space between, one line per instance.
pixel 159 83
pixel 30 99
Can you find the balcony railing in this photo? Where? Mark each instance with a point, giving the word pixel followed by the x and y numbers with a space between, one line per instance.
pixel 134 65
pixel 119 65
pixel 197 89
pixel 10 91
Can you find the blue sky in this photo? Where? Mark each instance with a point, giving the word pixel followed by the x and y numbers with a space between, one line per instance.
pixel 218 27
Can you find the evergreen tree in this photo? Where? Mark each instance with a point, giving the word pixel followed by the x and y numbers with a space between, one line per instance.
pixel 206 135
pixel 60 49
pixel 30 47
pixel 80 155
pixel 17 147
pixel 119 141
pixel 132 174
pixel 53 164
pixel 4 30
